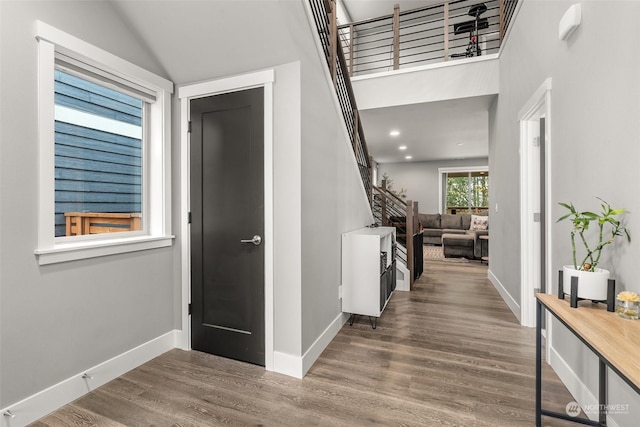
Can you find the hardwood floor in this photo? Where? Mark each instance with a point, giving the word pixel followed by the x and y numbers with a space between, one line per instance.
pixel 448 353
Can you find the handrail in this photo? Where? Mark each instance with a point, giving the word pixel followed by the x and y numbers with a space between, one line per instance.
pixel 389 194
pixel 325 17
pixel 423 35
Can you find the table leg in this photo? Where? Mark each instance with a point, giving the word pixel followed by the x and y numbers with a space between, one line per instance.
pixel 602 393
pixel 538 364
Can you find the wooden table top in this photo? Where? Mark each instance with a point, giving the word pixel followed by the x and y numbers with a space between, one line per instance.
pixel 615 338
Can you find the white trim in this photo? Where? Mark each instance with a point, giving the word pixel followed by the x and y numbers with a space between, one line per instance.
pixel 287 364
pixel 75 47
pixel 506 296
pixel 48 400
pixel 185 227
pixel 298 366
pixel 156 163
pixel 46 152
pixel 98 248
pixel 265 79
pixel 269 270
pixel 237 83
pixel 441 171
pixel 535 101
pixel 538 106
pixel 325 338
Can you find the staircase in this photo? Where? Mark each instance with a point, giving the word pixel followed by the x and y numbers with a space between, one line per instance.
pixel 386 209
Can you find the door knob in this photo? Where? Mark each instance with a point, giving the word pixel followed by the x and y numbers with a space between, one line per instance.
pixel 256 240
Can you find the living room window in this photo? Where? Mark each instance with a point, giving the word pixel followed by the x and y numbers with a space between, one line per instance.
pixel 465 191
pixel 104 152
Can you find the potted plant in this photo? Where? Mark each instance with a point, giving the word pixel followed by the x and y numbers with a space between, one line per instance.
pixel 592 281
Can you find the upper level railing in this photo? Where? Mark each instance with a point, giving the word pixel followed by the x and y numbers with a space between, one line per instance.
pixel 431 34
pixel 324 14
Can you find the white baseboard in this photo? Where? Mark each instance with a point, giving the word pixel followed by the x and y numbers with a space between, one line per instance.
pixel 287 364
pixel 296 366
pixel 506 296
pixel 576 387
pixel 46 401
pixel 316 349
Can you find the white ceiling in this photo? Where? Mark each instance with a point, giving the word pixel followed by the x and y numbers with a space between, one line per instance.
pixel 445 130
pixel 431 131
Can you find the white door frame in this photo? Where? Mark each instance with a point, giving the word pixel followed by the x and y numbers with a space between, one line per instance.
pixel 186 93
pixel 537 107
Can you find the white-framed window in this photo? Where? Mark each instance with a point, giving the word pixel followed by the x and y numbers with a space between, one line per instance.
pixel 464 190
pixel 104 152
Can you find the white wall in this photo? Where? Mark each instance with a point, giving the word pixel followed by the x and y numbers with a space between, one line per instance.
pixel 594 148
pixel 420 179
pixel 60 319
pixel 439 82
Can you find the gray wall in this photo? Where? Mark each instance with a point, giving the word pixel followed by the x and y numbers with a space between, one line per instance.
pixel 595 110
pixel 333 202
pixel 421 179
pixel 60 319
pixel 82 313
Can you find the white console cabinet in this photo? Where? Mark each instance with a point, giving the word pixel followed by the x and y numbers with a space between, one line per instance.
pixel 368 270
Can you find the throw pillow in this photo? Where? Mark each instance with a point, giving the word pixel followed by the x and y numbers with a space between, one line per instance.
pixel 479 222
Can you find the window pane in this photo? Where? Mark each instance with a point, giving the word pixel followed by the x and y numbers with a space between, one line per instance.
pixel 458 193
pixel 467 192
pixel 98 158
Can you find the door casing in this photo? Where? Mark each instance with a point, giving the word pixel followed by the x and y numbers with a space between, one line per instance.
pixel 186 93
pixel 537 107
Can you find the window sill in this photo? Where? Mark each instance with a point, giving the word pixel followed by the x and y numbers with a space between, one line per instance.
pixel 82 250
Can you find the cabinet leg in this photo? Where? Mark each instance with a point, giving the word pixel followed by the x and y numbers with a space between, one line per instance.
pixel 373 322
pixel 351 318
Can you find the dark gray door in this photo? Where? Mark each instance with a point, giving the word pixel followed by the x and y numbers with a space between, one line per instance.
pixel 227 208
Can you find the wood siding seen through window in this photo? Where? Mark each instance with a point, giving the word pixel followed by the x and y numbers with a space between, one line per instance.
pixel 98 149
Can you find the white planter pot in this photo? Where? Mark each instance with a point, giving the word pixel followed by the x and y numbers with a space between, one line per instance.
pixel 591 284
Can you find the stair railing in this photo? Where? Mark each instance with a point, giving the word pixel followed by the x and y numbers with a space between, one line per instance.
pixel 422 36
pixel 391 211
pixel 324 14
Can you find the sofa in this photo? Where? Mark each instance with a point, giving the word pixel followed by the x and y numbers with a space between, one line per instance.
pixel 434 226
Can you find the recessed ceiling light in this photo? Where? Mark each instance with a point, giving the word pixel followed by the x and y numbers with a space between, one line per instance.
pixel 460 143
pixel 402 147
pixel 394 133
pixel 408 157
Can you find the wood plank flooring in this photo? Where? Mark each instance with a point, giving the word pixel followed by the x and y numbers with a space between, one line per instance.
pixel 448 353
